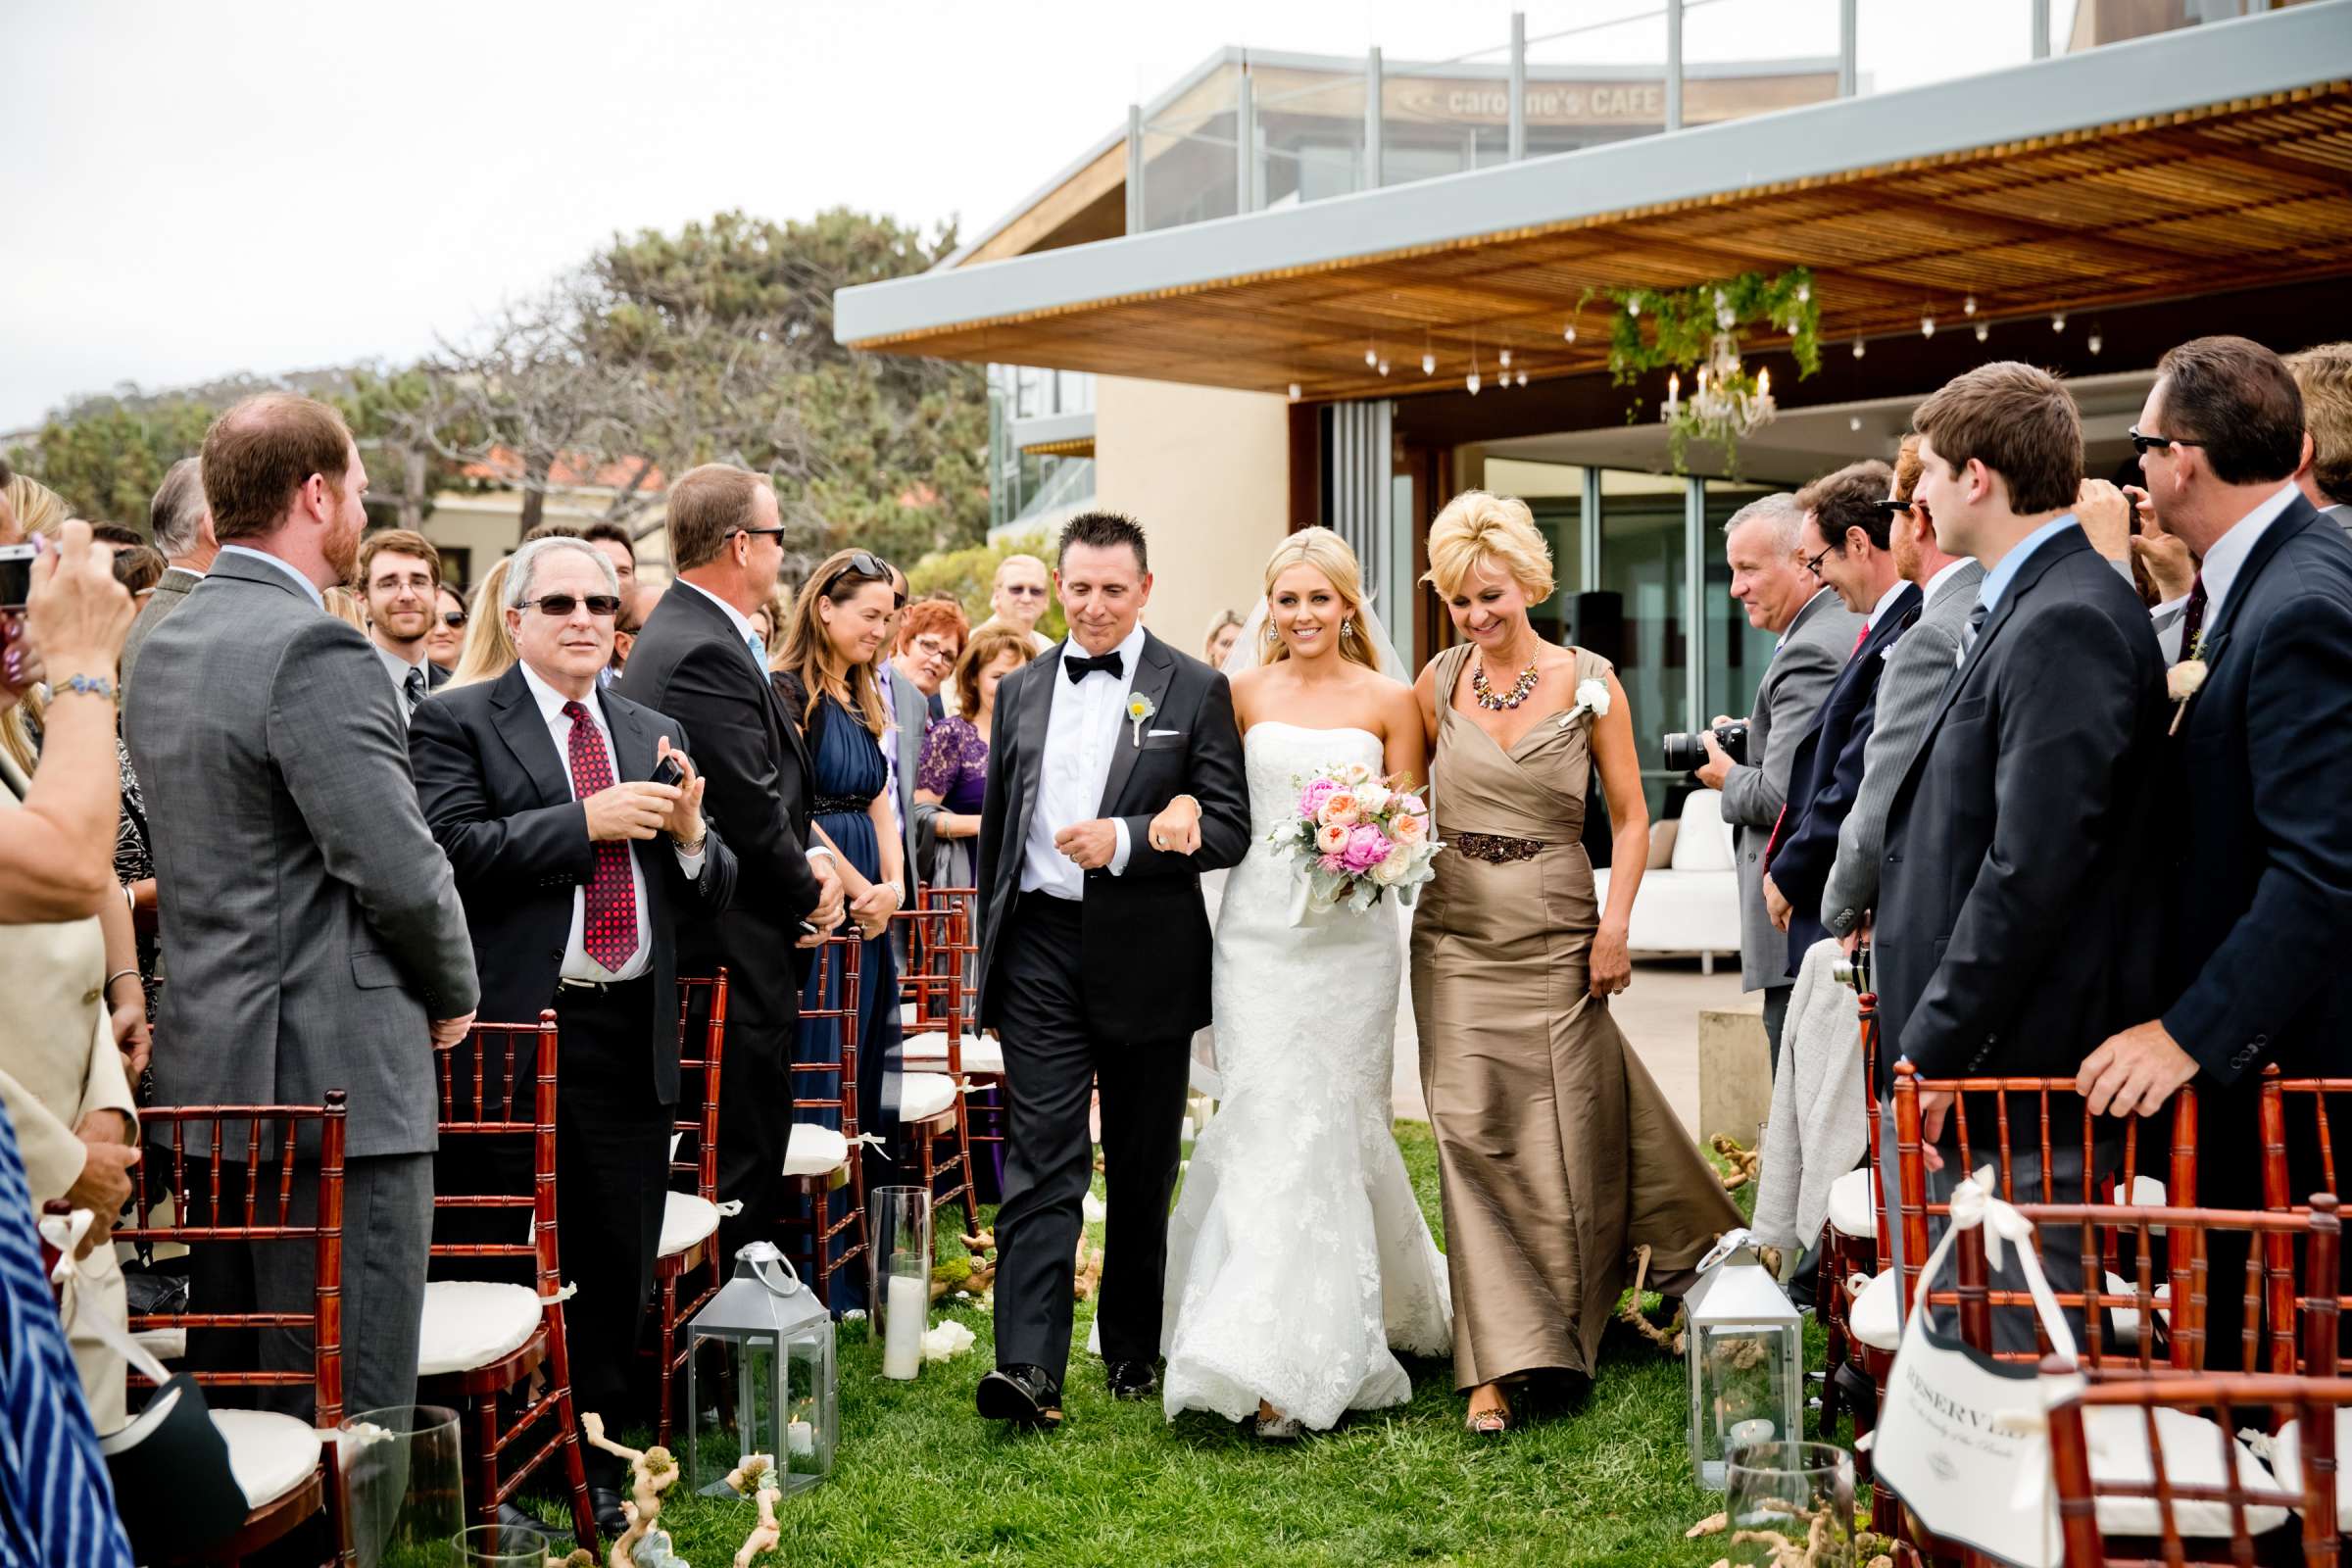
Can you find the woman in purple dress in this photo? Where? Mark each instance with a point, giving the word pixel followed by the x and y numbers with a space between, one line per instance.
pixel 953 774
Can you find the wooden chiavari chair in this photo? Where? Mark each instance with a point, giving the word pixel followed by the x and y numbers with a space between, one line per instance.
pixel 826 1165
pixel 690 1219
pixel 941 1053
pixel 1850 1247
pixel 250 1164
pixel 485 1338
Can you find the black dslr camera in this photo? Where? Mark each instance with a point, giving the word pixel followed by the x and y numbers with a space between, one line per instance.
pixel 1686 753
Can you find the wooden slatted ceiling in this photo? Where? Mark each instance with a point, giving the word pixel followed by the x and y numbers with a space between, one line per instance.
pixel 2227 197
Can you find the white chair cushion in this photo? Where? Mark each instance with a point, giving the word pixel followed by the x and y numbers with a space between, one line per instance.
pixel 925 1095
pixel 908 1012
pixel 928 1052
pixel 1876 1318
pixel 2192 1456
pixel 813 1150
pixel 1851 1212
pixel 2287 1459
pixel 165 1345
pixel 2126 1318
pixel 1703 840
pixel 686 1218
pixel 270 1455
pixel 470 1323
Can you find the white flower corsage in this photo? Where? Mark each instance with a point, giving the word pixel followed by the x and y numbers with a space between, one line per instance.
pixel 1140 709
pixel 1591 696
pixel 2182 682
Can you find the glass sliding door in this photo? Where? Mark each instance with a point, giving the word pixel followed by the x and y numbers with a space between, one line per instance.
pixel 1645 571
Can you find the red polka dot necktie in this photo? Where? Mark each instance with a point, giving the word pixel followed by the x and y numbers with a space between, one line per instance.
pixel 609 924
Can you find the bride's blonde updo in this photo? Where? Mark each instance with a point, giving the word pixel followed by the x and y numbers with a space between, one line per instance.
pixel 1477 527
pixel 1329 555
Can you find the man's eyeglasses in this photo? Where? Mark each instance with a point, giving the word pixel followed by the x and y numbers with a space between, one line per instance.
pixel 1021 590
pixel 1814 565
pixel 603 607
pixel 2144 444
pixel 760 533
pixel 453 618
pixel 1891 510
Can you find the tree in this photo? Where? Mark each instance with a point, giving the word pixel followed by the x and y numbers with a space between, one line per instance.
pixel 106 457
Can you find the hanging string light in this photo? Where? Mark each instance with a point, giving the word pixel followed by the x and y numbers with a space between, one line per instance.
pixel 1384 367
pixel 1429 360
pixel 2057 321
pixel 1984 330
pixel 1926 326
pixel 1294 391
pixel 1968 306
pixel 1859 348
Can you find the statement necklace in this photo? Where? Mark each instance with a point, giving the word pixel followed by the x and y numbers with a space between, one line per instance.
pixel 1521 689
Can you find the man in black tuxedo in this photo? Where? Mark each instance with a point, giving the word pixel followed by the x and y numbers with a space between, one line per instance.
pixel 698 662
pixel 577 870
pixel 2017 918
pixel 1848 537
pixel 2258 888
pixel 1114 782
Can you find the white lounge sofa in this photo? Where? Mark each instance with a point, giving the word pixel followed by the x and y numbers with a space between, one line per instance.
pixel 1689 904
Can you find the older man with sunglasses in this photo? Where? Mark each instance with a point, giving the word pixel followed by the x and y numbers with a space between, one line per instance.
pixel 577 865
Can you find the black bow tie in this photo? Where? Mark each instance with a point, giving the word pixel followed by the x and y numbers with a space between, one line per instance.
pixel 1108 663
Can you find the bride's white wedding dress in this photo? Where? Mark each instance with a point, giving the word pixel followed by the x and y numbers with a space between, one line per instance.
pixel 1298 1256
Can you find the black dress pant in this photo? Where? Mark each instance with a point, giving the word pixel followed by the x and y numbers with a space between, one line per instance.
pixel 754 1096
pixel 611 1184
pixel 1054 1061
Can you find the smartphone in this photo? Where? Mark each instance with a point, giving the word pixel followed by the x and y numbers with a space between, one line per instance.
pixel 15 575
pixel 668 772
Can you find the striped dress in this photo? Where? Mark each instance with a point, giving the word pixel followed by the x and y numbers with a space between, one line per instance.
pixel 56 1502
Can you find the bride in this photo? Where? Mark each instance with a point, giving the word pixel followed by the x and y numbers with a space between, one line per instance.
pixel 1296 1255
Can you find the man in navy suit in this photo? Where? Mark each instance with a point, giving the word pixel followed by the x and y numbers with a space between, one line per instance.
pixel 1846 537
pixel 2017 902
pixel 2258 892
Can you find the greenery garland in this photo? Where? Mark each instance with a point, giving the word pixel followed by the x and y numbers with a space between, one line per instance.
pixel 1655 330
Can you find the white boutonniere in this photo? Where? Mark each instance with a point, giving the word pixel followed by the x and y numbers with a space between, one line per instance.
pixel 2182 682
pixel 1140 709
pixel 1591 696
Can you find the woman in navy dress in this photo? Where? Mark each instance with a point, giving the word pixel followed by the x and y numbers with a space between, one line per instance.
pixel 837 628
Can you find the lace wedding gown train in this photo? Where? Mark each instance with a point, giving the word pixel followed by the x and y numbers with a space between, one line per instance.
pixel 1298 1256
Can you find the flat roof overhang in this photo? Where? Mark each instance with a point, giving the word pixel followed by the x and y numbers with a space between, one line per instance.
pixel 2193 161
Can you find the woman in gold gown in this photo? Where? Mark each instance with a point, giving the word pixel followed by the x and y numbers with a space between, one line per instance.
pixel 1558 1155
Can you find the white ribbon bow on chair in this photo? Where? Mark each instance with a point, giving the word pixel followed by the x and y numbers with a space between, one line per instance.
pixel 1974 1208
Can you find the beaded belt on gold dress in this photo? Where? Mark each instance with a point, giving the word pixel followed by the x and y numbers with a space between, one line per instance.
pixel 1496 849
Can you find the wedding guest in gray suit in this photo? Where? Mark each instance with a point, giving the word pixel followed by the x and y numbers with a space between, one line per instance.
pixel 2323 376
pixel 1918 666
pixel 182 525
pixel 1817 633
pixel 316 934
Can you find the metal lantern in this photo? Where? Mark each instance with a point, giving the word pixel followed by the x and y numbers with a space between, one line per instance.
pixel 778 1393
pixel 1745 1347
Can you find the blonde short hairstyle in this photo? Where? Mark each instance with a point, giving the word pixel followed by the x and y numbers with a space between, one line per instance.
pixel 2325 375
pixel 1477 527
pixel 1329 555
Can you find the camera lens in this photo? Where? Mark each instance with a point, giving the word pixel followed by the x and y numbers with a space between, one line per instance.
pixel 1681 753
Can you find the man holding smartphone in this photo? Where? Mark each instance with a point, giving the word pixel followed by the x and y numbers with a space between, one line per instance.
pixel 573 819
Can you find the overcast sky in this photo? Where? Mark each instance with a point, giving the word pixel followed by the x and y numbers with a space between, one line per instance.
pixel 207 186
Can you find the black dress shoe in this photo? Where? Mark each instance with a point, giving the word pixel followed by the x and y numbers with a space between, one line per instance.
pixel 510 1517
pixel 1132 1380
pixel 611 1522
pixel 1022 1394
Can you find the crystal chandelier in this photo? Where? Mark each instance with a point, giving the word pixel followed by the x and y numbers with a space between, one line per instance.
pixel 1727 404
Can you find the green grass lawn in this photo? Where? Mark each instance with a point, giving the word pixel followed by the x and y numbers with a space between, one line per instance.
pixel 919 1479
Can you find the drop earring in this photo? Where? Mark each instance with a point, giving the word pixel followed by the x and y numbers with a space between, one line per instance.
pixel 1273 634
pixel 1346 628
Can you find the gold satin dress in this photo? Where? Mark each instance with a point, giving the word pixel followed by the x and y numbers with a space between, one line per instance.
pixel 1558 1155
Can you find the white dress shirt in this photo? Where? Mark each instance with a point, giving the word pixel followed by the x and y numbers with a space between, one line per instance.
pixel 1870 622
pixel 578 966
pixel 399 667
pixel 1087 721
pixel 2219 570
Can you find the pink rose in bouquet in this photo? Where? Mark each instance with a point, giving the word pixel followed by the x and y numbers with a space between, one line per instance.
pixel 1367 846
pixel 1311 798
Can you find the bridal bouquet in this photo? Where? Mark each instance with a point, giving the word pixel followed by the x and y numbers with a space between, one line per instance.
pixel 1357 837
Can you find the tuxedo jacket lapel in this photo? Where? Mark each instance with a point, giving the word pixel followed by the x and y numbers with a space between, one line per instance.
pixel 526 738
pixel 1155 672
pixel 1043 683
pixel 2298 515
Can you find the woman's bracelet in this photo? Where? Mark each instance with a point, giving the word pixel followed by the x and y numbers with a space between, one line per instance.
pixel 108 990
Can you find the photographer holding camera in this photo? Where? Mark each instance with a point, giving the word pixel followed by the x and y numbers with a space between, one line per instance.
pixel 1771 580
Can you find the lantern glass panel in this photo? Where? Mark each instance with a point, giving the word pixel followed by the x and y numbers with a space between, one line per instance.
pixel 1745 1382
pixel 760 1379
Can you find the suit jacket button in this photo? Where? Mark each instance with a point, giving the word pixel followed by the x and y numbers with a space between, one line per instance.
pixel 2257 1043
pixel 556 954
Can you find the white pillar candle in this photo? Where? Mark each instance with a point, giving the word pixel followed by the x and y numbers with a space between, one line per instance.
pixel 800 1438
pixel 907 1308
